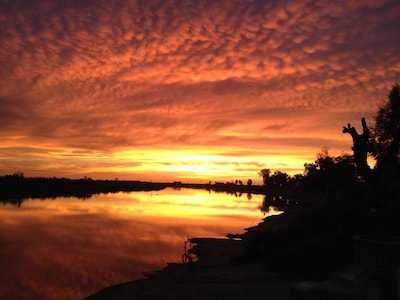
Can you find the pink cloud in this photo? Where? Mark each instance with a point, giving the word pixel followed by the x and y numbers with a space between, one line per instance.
pixel 115 75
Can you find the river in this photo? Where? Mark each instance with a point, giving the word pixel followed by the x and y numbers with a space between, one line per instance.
pixel 69 248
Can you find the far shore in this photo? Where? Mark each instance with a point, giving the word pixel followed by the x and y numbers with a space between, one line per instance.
pixel 16 187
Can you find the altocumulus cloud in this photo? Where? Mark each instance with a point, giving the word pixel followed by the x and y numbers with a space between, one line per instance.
pixel 111 75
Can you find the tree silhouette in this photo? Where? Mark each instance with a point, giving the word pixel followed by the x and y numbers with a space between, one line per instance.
pixel 383 142
pixel 361 147
pixel 386 133
pixel 265 173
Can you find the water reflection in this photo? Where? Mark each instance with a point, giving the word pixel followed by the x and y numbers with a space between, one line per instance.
pixel 68 248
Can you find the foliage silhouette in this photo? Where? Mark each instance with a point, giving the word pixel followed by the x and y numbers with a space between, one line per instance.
pixel 386 133
pixel 383 142
pixel 334 199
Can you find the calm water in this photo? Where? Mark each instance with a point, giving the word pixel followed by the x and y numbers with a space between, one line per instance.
pixel 69 248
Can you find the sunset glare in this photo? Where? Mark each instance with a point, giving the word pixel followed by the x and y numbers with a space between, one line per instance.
pixel 190 91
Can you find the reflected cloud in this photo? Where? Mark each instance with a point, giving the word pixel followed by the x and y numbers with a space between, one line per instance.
pixel 67 248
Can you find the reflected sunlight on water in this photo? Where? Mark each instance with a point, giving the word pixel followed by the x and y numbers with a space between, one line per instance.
pixel 68 248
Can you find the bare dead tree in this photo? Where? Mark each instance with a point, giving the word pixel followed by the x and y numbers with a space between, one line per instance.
pixel 361 147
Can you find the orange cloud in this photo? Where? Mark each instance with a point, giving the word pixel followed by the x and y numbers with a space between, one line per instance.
pixel 109 77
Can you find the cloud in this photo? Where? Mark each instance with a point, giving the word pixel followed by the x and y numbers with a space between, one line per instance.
pixel 117 75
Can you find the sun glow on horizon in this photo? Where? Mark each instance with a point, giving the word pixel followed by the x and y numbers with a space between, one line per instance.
pixel 197 91
pixel 196 164
pixel 207 164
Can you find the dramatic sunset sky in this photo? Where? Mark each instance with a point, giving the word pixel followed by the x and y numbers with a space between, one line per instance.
pixel 188 90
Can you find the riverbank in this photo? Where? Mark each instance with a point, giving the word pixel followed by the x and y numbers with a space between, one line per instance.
pixel 228 281
pixel 282 256
pixel 211 272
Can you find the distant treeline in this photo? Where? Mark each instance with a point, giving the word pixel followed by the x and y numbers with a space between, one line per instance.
pixel 17 187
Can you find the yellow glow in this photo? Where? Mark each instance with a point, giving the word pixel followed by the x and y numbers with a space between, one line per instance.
pixel 197 164
pixel 206 164
pixel 186 204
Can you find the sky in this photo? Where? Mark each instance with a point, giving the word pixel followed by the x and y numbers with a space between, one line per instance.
pixel 194 91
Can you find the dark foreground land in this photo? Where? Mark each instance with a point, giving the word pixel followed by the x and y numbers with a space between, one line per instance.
pixel 229 281
pixel 291 262
pixel 178 281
